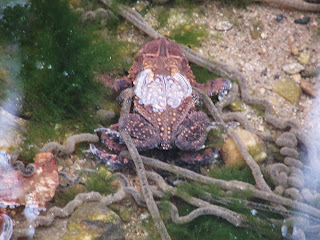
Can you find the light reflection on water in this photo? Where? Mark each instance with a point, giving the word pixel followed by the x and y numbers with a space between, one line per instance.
pixel 10 62
pixel 313 160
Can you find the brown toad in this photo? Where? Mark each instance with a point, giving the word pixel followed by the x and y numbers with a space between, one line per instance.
pixel 164 114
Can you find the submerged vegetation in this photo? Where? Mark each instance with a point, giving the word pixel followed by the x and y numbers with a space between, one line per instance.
pixel 189 35
pixel 60 60
pixel 101 182
pixel 211 227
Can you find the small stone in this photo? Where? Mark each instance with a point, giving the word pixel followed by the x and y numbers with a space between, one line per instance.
pixel 308 87
pixel 296 77
pixel 69 162
pixel 279 17
pixel 93 220
pixel 262 91
pixel 293 68
pixel 261 128
pixel 288 89
pixel 60 168
pixel 264 35
pixel 294 50
pixel 236 106
pixel 309 71
pixel 223 26
pixel 255 146
pixel 302 47
pixel 303 20
pixel 304 58
pixel 256 31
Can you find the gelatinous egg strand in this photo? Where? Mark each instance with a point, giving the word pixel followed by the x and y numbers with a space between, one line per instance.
pixel 160 90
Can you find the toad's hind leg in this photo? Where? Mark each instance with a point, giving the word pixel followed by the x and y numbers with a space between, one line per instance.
pixel 192 132
pixel 143 134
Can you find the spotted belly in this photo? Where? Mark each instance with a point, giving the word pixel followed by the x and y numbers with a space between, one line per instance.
pixel 168 121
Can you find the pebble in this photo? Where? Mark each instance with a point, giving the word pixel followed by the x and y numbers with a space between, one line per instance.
pixel 261 128
pixel 294 51
pixel 304 58
pixel 293 68
pixel 308 87
pixel 309 71
pixel 288 89
pixel 223 26
pixel 69 162
pixel 303 20
pixel 264 35
pixel 302 47
pixel 296 77
pixel 279 17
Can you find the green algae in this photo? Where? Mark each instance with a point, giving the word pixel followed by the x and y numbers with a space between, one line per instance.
pixel 189 35
pixel 236 106
pixel 212 227
pixel 64 196
pixel 61 59
pixel 57 59
pixel 232 173
pixel 236 3
pixel 101 182
pixel 202 75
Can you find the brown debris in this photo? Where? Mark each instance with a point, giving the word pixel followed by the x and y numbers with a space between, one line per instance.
pixel 33 191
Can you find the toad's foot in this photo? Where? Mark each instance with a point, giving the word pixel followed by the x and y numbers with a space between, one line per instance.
pixel 113 161
pixel 192 132
pixel 201 157
pixel 112 139
pixel 218 86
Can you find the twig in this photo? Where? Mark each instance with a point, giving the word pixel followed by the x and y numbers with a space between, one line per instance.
pixel 70 144
pixel 146 192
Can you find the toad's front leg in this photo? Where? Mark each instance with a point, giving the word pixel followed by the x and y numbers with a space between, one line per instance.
pixel 144 135
pixel 115 84
pixel 218 86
